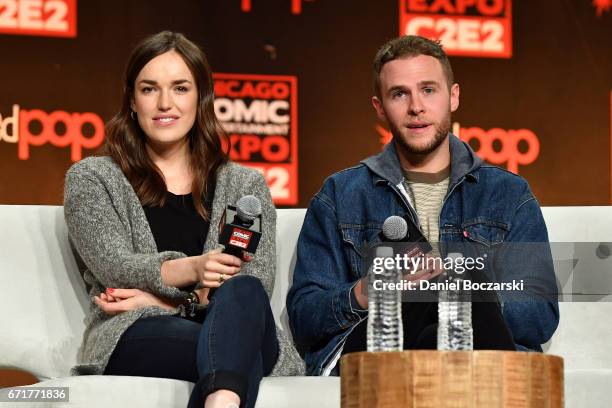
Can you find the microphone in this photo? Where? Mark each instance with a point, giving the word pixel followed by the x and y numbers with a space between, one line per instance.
pixel 403 230
pixel 394 228
pixel 240 227
pixel 248 208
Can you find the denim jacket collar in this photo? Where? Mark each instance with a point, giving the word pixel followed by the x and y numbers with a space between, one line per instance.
pixel 386 165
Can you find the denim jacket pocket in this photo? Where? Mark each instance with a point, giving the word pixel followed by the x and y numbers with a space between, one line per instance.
pixel 355 239
pixel 485 231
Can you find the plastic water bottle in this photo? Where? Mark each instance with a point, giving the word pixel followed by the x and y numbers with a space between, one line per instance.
pixel 385 331
pixel 455 314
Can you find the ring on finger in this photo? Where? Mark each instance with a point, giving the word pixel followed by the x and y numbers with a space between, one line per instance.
pixel 221 278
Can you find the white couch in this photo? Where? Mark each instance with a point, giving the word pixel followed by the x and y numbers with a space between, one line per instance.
pixel 43 303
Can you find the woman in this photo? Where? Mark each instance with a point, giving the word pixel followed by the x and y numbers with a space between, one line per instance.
pixel 144 219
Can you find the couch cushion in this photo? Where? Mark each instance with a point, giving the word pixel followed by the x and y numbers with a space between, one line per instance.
pixel 587 388
pixel 93 391
pixel 583 335
pixel 43 297
pixel 583 389
pixel 288 225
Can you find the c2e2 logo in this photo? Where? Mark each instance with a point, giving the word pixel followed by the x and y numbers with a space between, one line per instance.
pixel 46 18
pixel 470 28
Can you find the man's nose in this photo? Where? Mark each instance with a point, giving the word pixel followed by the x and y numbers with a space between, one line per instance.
pixel 416 105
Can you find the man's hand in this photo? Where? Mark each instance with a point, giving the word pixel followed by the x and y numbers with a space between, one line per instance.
pixel 414 276
pixel 362 298
pixel 116 301
pixel 426 272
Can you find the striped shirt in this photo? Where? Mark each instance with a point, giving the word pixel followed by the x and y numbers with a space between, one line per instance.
pixel 427 192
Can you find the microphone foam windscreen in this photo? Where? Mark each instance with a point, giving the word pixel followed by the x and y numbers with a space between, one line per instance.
pixel 248 207
pixel 394 228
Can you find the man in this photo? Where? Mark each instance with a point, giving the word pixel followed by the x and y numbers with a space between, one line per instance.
pixel 436 180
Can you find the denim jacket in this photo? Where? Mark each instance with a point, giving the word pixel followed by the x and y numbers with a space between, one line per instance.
pixel 485 205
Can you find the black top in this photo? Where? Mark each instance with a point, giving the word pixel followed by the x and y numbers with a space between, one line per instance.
pixel 177 226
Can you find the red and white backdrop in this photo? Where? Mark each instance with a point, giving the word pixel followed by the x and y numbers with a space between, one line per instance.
pixel 292 85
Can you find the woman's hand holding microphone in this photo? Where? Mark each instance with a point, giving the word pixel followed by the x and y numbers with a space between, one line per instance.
pixel 214 267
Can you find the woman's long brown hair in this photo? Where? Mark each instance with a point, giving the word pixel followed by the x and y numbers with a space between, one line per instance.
pixel 125 140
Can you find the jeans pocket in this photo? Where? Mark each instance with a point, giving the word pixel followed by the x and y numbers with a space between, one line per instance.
pixel 485 231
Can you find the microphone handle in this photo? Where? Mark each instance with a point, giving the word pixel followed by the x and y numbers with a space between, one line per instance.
pixel 228 250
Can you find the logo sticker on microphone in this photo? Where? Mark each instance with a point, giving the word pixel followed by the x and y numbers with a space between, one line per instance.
pixel 240 238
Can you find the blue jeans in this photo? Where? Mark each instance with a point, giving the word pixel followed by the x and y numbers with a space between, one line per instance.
pixel 233 348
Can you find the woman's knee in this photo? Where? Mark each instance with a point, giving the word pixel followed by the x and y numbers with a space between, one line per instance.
pixel 245 287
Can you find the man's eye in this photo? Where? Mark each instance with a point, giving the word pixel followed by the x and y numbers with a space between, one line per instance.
pixel 428 90
pixel 398 94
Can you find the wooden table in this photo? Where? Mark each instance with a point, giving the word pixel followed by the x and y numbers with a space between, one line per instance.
pixel 457 379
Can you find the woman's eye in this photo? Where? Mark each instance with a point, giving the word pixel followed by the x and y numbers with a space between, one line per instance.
pixel 181 89
pixel 146 89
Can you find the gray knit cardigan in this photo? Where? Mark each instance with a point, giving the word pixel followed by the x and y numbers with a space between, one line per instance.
pixel 111 234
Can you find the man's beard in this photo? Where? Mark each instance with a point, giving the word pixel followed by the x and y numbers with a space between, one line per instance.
pixel 441 134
